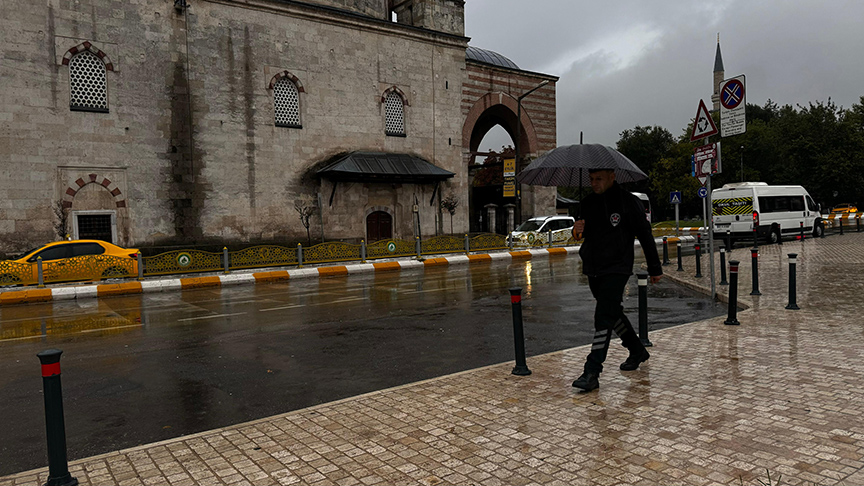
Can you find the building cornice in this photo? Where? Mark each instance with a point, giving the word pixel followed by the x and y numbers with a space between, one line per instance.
pixel 346 18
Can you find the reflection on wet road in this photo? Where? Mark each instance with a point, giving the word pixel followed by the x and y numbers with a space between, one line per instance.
pixel 137 369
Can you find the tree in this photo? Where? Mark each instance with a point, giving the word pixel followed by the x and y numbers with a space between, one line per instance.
pixel 61 226
pixel 450 203
pixel 305 209
pixel 646 146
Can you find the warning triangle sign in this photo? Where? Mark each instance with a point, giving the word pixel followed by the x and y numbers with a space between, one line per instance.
pixel 704 125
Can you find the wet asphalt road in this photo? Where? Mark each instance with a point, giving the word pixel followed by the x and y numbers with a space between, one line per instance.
pixel 140 369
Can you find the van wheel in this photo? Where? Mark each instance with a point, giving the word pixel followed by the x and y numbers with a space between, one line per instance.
pixel 818 230
pixel 774 236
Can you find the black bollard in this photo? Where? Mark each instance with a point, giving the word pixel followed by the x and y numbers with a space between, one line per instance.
pixel 729 240
pixel 58 465
pixel 754 258
pixel 858 224
pixel 698 261
pixel 680 267
pixel 802 231
pixel 521 367
pixel 723 266
pixel 642 279
pixel 840 219
pixel 755 236
pixel 665 252
pixel 792 293
pixel 731 319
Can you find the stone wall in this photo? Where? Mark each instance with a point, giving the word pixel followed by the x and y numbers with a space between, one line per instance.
pixel 490 97
pixel 189 146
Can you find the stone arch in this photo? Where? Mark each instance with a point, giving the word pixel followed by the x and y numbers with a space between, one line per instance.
pixel 498 109
pixel 290 76
pixel 87 46
pixel 394 89
pixel 75 187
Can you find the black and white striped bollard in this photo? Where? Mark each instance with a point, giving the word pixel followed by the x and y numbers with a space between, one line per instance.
pixel 642 279
pixel 521 368
pixel 680 266
pixel 665 252
pixel 732 319
pixel 793 305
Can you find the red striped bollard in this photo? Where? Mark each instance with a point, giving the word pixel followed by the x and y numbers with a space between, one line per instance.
pixel 58 465
pixel 698 261
pixel 732 319
pixel 754 258
pixel 521 367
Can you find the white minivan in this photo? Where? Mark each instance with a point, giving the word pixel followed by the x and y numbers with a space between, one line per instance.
pixel 774 212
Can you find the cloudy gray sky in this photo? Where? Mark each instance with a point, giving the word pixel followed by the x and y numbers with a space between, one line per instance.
pixel 624 63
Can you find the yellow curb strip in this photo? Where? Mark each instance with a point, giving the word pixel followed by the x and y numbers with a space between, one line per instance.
pixel 198 282
pixel 520 254
pixel 387 266
pixel 119 289
pixel 334 271
pixel 557 251
pixel 436 261
pixel 25 296
pixel 485 257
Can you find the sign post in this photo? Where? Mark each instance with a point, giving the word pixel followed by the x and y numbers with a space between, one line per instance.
pixel 675 200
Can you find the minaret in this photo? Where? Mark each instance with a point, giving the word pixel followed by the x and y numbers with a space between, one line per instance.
pixel 718 76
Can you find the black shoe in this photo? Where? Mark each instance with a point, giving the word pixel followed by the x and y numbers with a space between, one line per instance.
pixel 587 382
pixel 634 360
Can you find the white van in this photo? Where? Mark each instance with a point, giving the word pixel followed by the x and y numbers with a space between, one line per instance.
pixel 645 202
pixel 775 211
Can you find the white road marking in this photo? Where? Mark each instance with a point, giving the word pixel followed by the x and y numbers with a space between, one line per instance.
pixel 211 317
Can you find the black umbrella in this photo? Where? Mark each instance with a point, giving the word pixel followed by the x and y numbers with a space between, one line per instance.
pixel 568 166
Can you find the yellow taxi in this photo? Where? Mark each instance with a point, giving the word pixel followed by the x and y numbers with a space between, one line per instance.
pixel 844 209
pixel 70 260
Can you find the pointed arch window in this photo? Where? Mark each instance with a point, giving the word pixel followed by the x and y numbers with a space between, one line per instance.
pixel 394 114
pixel 88 86
pixel 286 103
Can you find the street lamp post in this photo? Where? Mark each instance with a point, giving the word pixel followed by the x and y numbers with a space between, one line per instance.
pixel 516 145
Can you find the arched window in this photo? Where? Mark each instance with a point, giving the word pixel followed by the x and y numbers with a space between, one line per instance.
pixel 286 103
pixel 394 115
pixel 88 87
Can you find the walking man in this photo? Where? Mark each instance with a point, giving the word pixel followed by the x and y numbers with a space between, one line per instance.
pixel 613 217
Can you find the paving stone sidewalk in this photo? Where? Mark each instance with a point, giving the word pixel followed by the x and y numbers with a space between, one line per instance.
pixel 781 394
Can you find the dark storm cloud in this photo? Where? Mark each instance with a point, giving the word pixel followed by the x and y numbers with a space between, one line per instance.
pixel 628 63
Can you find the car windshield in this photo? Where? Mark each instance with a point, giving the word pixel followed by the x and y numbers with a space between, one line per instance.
pixel 530 225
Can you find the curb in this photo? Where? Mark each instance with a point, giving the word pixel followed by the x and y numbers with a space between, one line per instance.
pixel 80 292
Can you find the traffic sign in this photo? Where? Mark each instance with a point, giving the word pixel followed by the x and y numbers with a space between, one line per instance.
pixel 703 162
pixel 733 100
pixel 702 192
pixel 675 197
pixel 704 125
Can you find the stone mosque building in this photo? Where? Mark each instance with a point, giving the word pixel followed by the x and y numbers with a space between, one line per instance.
pixel 182 122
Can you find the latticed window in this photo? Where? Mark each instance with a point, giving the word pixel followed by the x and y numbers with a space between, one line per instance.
pixel 286 99
pixel 88 88
pixel 394 115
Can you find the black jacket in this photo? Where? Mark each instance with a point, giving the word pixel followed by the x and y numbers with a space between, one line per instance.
pixel 612 220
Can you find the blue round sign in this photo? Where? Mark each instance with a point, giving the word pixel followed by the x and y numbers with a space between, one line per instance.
pixel 732 94
pixel 702 192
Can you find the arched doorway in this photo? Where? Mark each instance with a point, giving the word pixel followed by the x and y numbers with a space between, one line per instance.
pixel 379 226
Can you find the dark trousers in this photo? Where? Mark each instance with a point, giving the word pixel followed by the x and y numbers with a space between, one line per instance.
pixel 609 316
